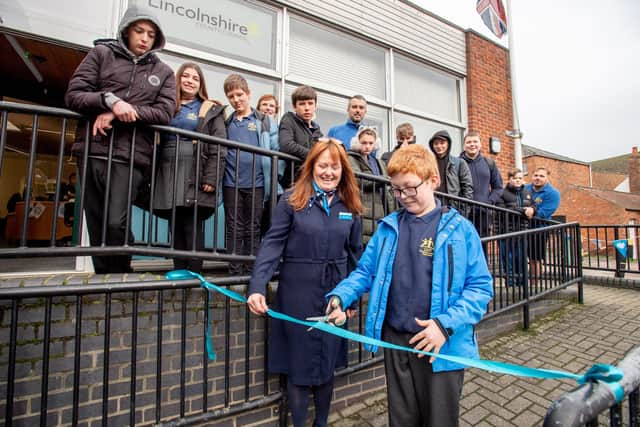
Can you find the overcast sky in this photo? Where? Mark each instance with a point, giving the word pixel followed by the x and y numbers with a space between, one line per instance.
pixel 577 71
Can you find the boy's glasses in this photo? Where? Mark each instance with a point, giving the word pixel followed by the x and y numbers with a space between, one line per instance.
pixel 407 191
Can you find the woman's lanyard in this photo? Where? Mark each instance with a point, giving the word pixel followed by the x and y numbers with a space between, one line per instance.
pixel 323 196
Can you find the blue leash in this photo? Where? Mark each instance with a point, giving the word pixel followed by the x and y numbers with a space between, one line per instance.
pixel 608 375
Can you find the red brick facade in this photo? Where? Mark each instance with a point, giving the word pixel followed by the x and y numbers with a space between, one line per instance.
pixel 607 180
pixel 588 209
pixel 489 96
pixel 563 176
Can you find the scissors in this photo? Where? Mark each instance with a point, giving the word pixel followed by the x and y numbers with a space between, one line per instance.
pixel 324 318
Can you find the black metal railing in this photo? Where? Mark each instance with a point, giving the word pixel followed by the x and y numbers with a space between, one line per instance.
pixel 584 405
pixel 135 352
pixel 529 265
pixel 600 253
pixel 81 351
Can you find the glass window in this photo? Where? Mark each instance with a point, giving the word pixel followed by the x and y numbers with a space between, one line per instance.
pixel 332 110
pixel 326 56
pixel 215 75
pixel 230 28
pixel 419 87
pixel 72 21
pixel 424 130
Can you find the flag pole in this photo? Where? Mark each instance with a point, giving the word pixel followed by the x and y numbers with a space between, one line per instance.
pixel 515 133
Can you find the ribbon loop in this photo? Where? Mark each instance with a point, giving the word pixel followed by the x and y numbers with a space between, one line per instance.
pixel 605 374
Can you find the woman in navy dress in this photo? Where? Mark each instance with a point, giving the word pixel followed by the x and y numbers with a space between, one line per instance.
pixel 194 112
pixel 316 230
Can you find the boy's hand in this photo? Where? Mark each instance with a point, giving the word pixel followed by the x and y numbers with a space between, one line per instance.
pixel 429 339
pixel 529 212
pixel 124 111
pixel 334 312
pixel 103 123
pixel 257 304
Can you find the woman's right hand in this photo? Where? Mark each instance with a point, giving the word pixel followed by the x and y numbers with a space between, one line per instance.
pixel 257 303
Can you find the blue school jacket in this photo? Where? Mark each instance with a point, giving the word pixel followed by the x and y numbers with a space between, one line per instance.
pixel 461 284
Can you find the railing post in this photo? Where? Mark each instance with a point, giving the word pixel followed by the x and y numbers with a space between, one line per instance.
pixel 525 282
pixel 621 262
pixel 578 250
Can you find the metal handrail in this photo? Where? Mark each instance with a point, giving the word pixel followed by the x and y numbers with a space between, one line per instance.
pixel 583 404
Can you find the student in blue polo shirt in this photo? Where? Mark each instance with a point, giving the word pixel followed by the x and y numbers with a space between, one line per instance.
pixel 428 285
pixel 247 186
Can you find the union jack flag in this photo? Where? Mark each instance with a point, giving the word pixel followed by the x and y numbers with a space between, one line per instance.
pixel 493 14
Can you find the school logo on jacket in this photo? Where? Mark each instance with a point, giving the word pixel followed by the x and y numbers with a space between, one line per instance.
pixel 252 127
pixel 426 247
pixel 153 80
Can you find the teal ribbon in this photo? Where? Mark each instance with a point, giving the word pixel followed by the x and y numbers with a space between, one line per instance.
pixel 608 375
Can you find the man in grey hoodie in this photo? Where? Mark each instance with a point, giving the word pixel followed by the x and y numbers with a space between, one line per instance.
pixel 455 177
pixel 121 82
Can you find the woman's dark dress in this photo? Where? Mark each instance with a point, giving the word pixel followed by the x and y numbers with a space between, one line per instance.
pixel 315 249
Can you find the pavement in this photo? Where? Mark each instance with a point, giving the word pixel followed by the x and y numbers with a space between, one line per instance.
pixel 603 330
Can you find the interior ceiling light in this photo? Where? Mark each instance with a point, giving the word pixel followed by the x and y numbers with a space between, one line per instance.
pixel 11 127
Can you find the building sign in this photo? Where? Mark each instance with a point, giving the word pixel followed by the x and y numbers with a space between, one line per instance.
pixel 231 28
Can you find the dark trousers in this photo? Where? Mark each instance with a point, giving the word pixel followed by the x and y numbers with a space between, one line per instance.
pixel 298 396
pixel 115 210
pixel 513 261
pixel 481 219
pixel 418 397
pixel 242 223
pixel 183 238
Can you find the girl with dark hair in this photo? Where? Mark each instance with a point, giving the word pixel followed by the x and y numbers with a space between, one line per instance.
pixel 198 165
pixel 316 230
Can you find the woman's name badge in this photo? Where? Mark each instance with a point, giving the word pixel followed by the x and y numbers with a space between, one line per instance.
pixel 347 216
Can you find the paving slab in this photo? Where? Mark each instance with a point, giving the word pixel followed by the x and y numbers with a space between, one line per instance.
pixel 573 340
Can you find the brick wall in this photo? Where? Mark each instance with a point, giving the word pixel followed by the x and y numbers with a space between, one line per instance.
pixel 563 176
pixel 607 180
pixel 634 171
pixel 28 368
pixel 489 96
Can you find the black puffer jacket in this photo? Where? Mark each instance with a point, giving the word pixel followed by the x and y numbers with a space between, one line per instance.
pixel 145 82
pixel 515 199
pixel 295 138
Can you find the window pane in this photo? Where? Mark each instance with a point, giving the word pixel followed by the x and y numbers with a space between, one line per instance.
pixel 424 130
pixel 332 110
pixel 214 77
pixel 420 87
pixel 326 56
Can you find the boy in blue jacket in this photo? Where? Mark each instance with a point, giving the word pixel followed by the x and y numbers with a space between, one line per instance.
pixel 428 285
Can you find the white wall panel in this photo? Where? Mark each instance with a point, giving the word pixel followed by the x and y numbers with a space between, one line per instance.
pixel 395 23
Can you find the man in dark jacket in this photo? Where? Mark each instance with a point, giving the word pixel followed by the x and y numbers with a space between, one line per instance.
pixel 119 83
pixel 298 131
pixel 455 177
pixel 487 182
